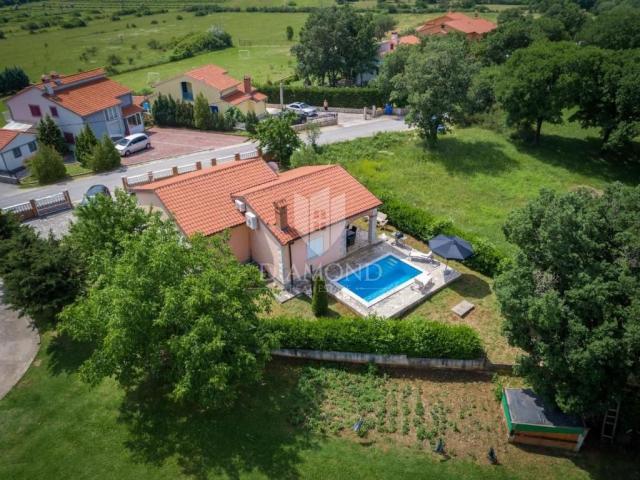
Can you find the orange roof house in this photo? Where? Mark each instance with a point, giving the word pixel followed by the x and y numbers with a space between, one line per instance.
pixel 290 223
pixel 472 27
pixel 75 100
pixel 396 40
pixel 220 89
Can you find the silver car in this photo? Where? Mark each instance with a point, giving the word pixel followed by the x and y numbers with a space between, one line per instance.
pixel 302 108
pixel 133 143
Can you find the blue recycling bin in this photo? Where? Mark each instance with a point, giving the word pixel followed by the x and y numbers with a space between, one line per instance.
pixel 388 109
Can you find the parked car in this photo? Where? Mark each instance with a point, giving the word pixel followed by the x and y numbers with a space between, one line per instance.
pixel 133 143
pixel 94 191
pixel 302 108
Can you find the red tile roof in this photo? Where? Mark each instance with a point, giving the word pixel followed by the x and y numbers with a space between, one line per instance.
pixel 202 201
pixel 131 109
pixel 76 77
pixel 456 21
pixel 214 76
pixel 90 97
pixel 7 136
pixel 409 40
pixel 316 197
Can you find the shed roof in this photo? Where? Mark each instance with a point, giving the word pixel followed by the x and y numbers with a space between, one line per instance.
pixel 525 407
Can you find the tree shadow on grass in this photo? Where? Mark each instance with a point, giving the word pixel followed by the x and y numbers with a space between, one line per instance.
pixel 254 436
pixel 471 286
pixel 66 355
pixel 471 158
pixel 583 156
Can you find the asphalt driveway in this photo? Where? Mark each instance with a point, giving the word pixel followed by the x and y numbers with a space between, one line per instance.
pixel 175 142
pixel 19 343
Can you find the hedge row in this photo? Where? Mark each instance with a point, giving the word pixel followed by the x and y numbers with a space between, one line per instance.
pixel 414 337
pixel 419 223
pixel 345 97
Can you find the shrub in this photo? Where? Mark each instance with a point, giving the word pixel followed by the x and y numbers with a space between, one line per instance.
pixel 12 79
pixel 346 97
pixel 289 32
pixel 250 122
pixel 104 156
pixel 414 337
pixel 419 223
pixel 47 165
pixel 114 59
pixel 319 300
pixel 85 143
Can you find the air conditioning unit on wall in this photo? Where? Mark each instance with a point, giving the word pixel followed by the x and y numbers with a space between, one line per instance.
pixel 240 206
pixel 251 220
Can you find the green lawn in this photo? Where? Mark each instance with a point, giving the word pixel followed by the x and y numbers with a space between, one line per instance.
pixel 477 176
pixel 52 426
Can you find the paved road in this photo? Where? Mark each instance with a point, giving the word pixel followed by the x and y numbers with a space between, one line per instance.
pixel 11 194
pixel 19 342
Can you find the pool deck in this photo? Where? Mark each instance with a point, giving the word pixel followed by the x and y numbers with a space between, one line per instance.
pixel 399 302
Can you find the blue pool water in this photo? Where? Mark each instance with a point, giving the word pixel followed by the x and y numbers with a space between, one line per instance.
pixel 378 277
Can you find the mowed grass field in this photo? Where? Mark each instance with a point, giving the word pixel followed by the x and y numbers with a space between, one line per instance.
pixel 54 427
pixel 477 176
pixel 260 45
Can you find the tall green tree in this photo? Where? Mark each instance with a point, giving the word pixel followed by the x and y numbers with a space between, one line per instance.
pixel 101 226
pixel 571 297
pixel 319 298
pixel 85 143
pixel 336 43
pixel 202 114
pixel 180 316
pixel 47 165
pixel 532 87
pixel 435 84
pixel 39 274
pixel 104 156
pixel 615 29
pixel 50 134
pixel 276 137
pixel 12 79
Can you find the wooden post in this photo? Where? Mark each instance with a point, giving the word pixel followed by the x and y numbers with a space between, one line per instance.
pixel 125 184
pixel 214 162
pixel 174 171
pixel 259 152
pixel 34 207
pixel 67 198
pixel 237 157
pixel 198 165
pixel 150 176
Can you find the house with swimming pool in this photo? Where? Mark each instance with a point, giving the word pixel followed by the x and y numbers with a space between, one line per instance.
pixel 295 224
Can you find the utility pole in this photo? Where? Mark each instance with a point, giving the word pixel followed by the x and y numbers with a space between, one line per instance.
pixel 281 95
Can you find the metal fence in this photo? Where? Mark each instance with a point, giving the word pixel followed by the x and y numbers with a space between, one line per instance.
pixel 129 183
pixel 38 207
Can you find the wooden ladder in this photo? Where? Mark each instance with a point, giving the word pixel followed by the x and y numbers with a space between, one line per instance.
pixel 610 423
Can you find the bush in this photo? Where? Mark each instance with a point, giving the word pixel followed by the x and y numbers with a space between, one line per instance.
pixel 47 165
pixel 346 97
pixel 250 122
pixel 414 337
pixel 104 156
pixel 12 79
pixel 419 223
pixel 319 299
pixel 213 39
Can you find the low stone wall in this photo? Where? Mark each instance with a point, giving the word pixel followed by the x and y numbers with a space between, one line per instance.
pixel 386 360
pixel 320 121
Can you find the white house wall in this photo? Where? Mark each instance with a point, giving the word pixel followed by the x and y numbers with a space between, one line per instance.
pixel 8 161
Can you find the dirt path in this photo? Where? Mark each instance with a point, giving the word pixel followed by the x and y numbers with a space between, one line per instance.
pixel 19 343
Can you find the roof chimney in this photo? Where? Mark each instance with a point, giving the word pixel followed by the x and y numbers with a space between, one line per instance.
pixel 281 214
pixel 247 84
pixel 48 88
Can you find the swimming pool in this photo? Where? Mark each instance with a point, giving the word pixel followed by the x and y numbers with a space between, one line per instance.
pixel 378 279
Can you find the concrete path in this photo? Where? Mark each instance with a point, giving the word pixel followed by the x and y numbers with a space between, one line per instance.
pixel 19 343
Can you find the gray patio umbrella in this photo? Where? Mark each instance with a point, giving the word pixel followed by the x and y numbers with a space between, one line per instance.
pixel 451 248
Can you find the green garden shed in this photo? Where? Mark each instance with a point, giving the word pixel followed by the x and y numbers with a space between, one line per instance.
pixel 531 422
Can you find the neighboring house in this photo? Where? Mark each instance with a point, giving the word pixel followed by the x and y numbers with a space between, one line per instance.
pixel 291 224
pixel 16 146
pixel 395 41
pixel 472 27
pixel 385 47
pixel 221 90
pixel 73 101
